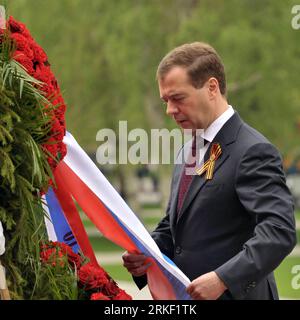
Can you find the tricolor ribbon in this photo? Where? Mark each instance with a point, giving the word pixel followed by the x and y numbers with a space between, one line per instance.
pixel 79 180
pixel 209 165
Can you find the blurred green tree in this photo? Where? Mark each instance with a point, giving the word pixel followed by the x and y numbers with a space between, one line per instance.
pixel 105 55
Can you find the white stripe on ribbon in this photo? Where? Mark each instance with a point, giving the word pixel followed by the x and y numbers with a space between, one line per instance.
pixel 48 222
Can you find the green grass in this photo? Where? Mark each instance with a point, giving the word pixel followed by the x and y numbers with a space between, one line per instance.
pixel 145 220
pixel 88 224
pixel 297 215
pixel 150 220
pixel 118 272
pixel 101 244
pixel 284 276
pixel 146 206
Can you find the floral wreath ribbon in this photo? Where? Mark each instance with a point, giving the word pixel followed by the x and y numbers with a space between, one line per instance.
pixel 209 165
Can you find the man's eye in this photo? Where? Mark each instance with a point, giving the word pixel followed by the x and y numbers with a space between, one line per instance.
pixel 177 98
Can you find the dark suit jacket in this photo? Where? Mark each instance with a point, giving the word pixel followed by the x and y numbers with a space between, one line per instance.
pixel 240 224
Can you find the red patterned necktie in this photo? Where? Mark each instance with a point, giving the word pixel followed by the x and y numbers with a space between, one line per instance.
pixel 186 179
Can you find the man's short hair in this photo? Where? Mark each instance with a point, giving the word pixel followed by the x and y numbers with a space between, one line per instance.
pixel 201 61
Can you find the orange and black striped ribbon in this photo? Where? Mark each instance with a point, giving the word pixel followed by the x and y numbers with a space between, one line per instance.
pixel 209 165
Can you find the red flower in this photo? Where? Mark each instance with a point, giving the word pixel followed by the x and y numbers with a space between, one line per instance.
pixel 99 296
pixel 63 150
pixel 15 26
pixel 44 74
pixel 23 60
pixel 53 250
pixel 33 58
pixel 57 131
pixel 53 256
pixel 73 258
pixel 122 295
pixel 22 45
pixel 111 288
pixel 91 277
pixel 38 53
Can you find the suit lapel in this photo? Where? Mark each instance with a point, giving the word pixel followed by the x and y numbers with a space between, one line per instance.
pixel 173 210
pixel 225 136
pixel 198 182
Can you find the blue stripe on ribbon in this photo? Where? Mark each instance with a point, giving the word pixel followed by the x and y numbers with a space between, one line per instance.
pixel 60 224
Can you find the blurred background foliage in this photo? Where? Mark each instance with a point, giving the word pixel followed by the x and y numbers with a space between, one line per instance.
pixel 105 55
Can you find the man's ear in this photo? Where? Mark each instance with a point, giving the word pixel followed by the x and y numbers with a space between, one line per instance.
pixel 213 87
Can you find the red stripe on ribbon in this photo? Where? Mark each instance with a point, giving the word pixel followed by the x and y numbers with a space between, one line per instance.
pixel 94 208
pixel 72 215
pixel 159 285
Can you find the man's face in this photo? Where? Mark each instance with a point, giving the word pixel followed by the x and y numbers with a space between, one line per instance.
pixel 188 106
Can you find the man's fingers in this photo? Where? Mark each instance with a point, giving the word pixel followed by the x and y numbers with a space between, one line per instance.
pixel 135 263
pixel 132 258
pixel 139 271
pixel 193 291
pixel 190 289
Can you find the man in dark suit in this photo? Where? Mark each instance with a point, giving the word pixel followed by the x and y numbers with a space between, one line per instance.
pixel 228 227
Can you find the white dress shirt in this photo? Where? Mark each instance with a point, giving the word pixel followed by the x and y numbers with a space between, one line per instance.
pixel 210 133
pixel 207 134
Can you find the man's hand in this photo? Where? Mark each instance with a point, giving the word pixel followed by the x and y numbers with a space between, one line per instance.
pixel 206 287
pixel 136 263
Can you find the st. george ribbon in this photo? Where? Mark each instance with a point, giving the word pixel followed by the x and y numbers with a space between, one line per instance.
pixel 77 178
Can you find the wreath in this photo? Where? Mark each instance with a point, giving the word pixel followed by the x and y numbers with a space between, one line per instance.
pixel 32 127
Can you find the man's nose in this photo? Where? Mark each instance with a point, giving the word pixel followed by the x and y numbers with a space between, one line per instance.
pixel 171 108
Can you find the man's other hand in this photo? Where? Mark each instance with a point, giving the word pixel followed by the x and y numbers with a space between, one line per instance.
pixel 206 287
pixel 136 263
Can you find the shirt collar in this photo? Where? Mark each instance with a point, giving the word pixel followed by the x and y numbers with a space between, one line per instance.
pixel 210 133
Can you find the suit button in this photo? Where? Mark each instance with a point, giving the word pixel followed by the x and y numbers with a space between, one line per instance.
pixel 178 250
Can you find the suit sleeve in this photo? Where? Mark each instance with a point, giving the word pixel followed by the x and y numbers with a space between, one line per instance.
pixel 262 190
pixel 163 238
